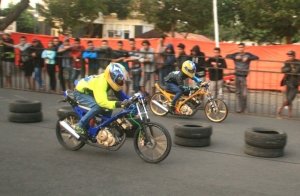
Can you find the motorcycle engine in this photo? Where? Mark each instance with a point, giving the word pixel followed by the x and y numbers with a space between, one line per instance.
pixel 185 109
pixel 105 138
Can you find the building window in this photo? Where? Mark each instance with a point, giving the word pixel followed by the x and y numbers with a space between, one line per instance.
pixel 110 33
pixel 126 34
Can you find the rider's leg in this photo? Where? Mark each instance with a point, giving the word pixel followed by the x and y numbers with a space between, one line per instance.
pixel 178 92
pixel 88 101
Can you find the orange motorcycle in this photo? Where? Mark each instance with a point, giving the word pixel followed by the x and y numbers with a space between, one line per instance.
pixel 215 110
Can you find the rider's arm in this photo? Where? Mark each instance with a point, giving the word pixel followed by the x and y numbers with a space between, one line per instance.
pixel 121 95
pixel 196 80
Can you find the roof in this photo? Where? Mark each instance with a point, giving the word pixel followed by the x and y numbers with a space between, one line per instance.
pixel 156 34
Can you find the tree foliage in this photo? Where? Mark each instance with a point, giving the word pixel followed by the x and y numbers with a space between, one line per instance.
pixel 165 14
pixel 69 14
pixel 25 22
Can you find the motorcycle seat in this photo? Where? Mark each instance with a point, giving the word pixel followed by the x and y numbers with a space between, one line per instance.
pixel 165 88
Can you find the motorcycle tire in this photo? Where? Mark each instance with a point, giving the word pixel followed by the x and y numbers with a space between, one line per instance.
pixel 156 109
pixel 64 137
pixel 62 110
pixel 221 110
pixel 146 151
pixel 192 130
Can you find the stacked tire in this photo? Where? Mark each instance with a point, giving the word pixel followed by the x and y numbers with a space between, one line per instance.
pixel 63 110
pixel 192 134
pixel 265 142
pixel 25 111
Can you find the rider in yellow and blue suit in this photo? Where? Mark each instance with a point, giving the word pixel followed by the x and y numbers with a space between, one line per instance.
pixel 92 92
pixel 174 82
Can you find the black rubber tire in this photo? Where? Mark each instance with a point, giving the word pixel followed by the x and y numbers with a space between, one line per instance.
pixel 168 145
pixel 190 142
pixel 63 110
pixel 265 138
pixel 192 130
pixel 25 117
pixel 25 106
pixel 59 136
pixel 263 152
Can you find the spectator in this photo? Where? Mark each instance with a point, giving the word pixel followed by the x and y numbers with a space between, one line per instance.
pixel 147 58
pixel 290 68
pixel 242 61
pixel 198 58
pixel 119 56
pixel 105 55
pixel 58 60
pixel 136 69
pixel 215 73
pixel 76 53
pixel 181 57
pixel 35 52
pixel 25 60
pixel 170 60
pixel 67 62
pixel 49 56
pixel 91 54
pixel 160 60
pixel 8 59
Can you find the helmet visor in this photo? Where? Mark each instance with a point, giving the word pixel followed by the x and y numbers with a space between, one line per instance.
pixel 191 70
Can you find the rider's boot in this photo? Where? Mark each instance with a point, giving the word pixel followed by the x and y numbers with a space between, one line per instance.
pixel 171 108
pixel 81 131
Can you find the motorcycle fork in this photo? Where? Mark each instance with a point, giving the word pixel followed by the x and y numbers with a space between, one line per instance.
pixel 146 135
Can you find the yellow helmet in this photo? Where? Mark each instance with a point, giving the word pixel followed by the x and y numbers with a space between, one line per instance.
pixel 115 74
pixel 189 68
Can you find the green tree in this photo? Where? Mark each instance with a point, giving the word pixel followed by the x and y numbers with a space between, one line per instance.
pixel 25 22
pixel 13 14
pixel 69 14
pixel 166 14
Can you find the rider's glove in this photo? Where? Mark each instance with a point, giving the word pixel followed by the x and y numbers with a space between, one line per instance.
pixel 185 88
pixel 125 103
pixel 196 88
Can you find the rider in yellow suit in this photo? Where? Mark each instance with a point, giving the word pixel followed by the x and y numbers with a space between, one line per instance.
pixel 92 92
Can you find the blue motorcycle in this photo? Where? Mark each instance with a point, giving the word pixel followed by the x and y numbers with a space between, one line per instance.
pixel 152 141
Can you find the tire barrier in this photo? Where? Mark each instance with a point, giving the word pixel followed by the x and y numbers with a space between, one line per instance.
pixel 192 135
pixel 25 111
pixel 264 142
pixel 63 110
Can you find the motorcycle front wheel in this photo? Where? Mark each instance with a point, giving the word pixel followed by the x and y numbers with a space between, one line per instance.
pixel 160 98
pixel 158 148
pixel 63 136
pixel 216 110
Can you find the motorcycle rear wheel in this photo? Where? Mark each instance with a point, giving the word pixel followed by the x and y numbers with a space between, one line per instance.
pixel 64 137
pixel 220 113
pixel 159 97
pixel 160 139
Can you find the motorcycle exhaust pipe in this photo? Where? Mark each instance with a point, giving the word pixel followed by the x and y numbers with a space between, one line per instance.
pixel 69 129
pixel 159 105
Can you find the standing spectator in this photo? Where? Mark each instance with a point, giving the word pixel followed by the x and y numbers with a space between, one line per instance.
pixel 91 55
pixel 67 62
pixel 136 69
pixel 290 68
pixel 36 54
pixel 160 60
pixel 8 59
pixel 25 60
pixel 119 56
pixel 198 58
pixel 147 58
pixel 242 61
pixel 105 55
pixel 170 60
pixel 58 59
pixel 215 73
pixel 181 57
pixel 49 56
pixel 75 53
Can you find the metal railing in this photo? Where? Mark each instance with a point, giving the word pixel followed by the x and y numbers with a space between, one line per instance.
pixel 260 102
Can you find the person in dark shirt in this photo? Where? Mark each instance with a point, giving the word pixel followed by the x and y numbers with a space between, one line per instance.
pixel 291 69
pixel 215 65
pixel 242 61
pixel 8 58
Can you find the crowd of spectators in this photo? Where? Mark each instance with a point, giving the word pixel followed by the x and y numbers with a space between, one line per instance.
pixel 143 63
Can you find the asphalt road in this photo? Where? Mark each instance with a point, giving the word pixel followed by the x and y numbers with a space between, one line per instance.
pixel 32 162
